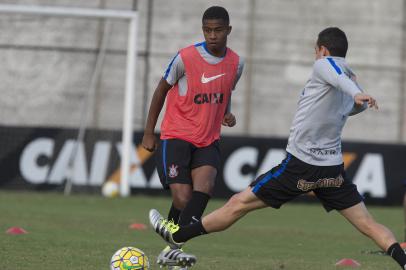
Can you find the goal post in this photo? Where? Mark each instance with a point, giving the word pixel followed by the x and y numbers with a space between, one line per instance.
pixel 131 59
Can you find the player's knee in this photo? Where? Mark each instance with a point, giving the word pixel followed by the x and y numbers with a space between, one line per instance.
pixel 181 200
pixel 204 182
pixel 237 204
pixel 206 187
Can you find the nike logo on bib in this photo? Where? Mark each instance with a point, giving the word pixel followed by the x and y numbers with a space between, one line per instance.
pixel 209 79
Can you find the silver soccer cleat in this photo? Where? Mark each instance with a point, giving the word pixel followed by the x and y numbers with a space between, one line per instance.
pixel 175 259
pixel 164 228
pixel 178 268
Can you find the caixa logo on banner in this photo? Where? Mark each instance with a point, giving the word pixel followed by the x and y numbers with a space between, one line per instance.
pixel 41 162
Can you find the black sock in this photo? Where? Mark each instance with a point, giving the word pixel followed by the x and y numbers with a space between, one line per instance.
pixel 398 254
pixel 194 208
pixel 174 214
pixel 189 232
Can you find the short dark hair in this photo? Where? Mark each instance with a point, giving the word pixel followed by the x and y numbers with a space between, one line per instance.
pixel 216 12
pixel 335 40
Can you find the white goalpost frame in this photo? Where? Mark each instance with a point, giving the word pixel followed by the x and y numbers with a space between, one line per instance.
pixel 132 16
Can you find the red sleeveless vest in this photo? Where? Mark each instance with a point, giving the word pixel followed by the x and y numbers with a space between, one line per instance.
pixel 197 116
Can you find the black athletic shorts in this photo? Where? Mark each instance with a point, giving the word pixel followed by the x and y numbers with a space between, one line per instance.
pixel 176 158
pixel 294 177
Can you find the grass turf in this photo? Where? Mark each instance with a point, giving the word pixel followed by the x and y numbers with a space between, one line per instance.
pixel 83 231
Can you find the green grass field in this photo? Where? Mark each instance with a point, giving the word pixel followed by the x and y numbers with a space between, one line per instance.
pixel 83 231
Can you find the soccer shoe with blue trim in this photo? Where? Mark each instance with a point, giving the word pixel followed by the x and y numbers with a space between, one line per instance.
pixel 164 228
pixel 175 259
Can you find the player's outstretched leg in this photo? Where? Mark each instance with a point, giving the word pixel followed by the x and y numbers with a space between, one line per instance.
pixel 164 228
pixel 175 259
pixel 359 216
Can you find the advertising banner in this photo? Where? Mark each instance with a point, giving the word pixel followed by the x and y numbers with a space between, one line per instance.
pixel 43 158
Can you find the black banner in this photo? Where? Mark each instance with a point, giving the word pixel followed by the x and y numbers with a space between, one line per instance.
pixel 42 158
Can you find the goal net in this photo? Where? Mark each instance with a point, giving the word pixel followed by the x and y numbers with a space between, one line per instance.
pixel 66 75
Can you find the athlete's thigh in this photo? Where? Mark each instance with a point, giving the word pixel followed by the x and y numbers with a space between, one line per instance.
pixel 204 178
pixel 337 192
pixel 173 158
pixel 209 155
pixel 249 200
pixel 356 214
pixel 205 164
pixel 279 185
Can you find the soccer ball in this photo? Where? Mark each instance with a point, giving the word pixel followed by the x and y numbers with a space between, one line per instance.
pixel 129 258
pixel 110 189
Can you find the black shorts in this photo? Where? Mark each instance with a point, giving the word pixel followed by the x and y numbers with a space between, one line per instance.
pixel 294 177
pixel 176 158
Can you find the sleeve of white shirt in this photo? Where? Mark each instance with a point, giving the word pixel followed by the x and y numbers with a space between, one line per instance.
pixel 328 71
pixel 356 109
pixel 175 70
pixel 240 68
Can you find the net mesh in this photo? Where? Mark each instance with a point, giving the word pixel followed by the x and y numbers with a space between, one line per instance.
pixel 47 68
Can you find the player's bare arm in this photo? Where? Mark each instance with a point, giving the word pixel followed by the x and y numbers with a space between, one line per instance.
pixel 229 118
pixel 149 141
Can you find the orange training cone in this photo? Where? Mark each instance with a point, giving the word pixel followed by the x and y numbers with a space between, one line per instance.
pixel 138 226
pixel 16 230
pixel 348 263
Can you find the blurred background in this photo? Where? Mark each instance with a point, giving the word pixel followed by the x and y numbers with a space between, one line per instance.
pixel 47 61
pixel 60 73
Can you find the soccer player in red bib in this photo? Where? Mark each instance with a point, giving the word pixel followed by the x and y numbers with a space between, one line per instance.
pixel 197 86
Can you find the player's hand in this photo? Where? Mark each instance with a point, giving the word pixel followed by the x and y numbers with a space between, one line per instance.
pixel 229 120
pixel 149 142
pixel 361 98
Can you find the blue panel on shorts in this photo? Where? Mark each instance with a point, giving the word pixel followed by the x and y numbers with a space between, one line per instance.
pixel 270 175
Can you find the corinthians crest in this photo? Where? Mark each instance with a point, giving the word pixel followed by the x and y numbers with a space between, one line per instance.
pixel 173 171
